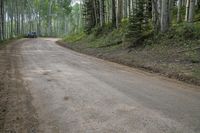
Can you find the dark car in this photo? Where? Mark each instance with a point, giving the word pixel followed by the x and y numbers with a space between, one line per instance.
pixel 32 35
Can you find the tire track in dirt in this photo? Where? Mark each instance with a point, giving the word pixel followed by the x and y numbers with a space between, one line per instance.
pixel 17 115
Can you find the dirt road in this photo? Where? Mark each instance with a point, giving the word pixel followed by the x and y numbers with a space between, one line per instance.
pixel 49 89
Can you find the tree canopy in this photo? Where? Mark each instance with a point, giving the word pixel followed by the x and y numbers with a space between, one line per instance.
pixel 61 17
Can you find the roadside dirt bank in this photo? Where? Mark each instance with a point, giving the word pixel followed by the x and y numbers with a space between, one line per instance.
pixel 120 57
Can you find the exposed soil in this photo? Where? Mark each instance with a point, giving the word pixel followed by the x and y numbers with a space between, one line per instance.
pixel 172 65
pixel 17 114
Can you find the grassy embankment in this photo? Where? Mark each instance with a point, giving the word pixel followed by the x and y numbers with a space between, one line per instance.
pixel 175 54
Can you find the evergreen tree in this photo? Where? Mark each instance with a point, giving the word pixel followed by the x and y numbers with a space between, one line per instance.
pixel 88 15
pixel 138 22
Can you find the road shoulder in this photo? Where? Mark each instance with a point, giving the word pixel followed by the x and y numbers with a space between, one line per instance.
pixel 125 58
pixel 17 113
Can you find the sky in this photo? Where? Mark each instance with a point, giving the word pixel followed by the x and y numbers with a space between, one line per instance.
pixel 75 1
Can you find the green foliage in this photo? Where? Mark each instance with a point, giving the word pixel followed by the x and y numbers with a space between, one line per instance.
pixel 75 20
pixel 98 30
pixel 88 14
pixel 193 56
pixel 187 31
pixel 108 39
pixel 99 38
pixel 197 16
pixel 138 23
pixel 196 72
pixel 74 37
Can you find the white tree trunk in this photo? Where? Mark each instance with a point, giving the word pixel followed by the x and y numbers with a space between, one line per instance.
pixel 187 10
pixel 101 3
pixel 191 11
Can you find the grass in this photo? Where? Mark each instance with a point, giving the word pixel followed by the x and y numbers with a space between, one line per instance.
pixel 196 72
pixel 106 40
pixel 74 37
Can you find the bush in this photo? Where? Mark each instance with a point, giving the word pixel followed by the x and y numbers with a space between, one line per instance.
pixel 74 37
pixel 188 31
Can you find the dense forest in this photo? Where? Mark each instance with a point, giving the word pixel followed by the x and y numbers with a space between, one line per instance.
pixel 135 20
pixel 46 17
pixel 140 17
pixel 61 17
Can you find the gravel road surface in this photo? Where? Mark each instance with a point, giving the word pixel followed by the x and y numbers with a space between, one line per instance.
pixel 56 90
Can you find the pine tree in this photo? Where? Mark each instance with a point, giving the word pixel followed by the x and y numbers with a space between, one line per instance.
pixel 137 23
pixel 89 15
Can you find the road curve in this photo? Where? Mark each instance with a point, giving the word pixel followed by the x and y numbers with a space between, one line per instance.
pixel 76 93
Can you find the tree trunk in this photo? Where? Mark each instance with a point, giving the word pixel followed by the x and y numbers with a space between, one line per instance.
pixel 125 8
pixel 1 19
pixel 119 12
pixel 114 19
pixel 191 11
pixel 49 20
pixel 187 10
pixel 101 6
pixel 156 14
pixel 165 15
pixel 179 11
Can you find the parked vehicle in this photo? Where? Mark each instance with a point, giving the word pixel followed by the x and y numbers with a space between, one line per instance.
pixel 32 35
